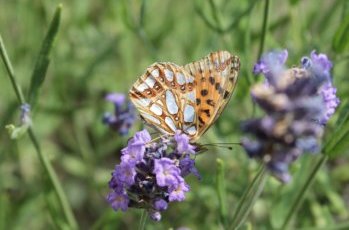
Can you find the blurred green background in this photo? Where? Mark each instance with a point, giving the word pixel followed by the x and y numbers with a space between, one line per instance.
pixel 103 46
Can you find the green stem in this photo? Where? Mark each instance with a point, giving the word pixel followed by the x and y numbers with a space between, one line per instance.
pixel 44 161
pixel 221 192
pixel 264 29
pixel 249 197
pixel 247 44
pixel 10 71
pixel 301 193
pixel 143 220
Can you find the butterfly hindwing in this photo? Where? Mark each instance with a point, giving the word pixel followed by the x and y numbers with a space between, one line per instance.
pixel 164 96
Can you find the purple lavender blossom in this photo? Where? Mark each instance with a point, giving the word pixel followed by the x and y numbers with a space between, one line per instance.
pixel 140 138
pixel 125 174
pixel 177 193
pixel 118 201
pixel 124 114
pixel 270 63
pixel 116 98
pixel 320 65
pixel 328 93
pixel 155 215
pixel 132 154
pixel 166 172
pixel 183 145
pixel 160 205
pixel 296 102
pixel 153 172
pixel 187 166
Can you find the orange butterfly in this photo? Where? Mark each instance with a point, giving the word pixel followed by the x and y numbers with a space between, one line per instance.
pixel 188 98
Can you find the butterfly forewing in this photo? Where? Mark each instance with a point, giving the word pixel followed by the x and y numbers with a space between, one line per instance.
pixel 216 76
pixel 189 98
pixel 165 97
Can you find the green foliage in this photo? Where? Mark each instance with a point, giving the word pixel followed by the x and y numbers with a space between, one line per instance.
pixel 221 191
pixel 341 38
pixel 102 46
pixel 43 59
pixel 338 142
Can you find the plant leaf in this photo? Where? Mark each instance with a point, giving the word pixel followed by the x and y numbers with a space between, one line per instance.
pixel 338 141
pixel 341 38
pixel 43 59
pixel 293 2
pixel 249 198
pixel 221 192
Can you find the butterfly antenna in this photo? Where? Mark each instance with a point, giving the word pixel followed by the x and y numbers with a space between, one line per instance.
pixel 228 146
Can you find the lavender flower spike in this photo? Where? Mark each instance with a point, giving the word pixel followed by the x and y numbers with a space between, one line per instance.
pixel 297 102
pixel 153 172
pixel 124 114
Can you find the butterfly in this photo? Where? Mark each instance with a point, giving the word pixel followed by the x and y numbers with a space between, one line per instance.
pixel 188 98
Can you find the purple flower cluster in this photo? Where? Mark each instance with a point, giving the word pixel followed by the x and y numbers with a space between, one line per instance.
pixel 151 174
pixel 319 64
pixel 298 102
pixel 124 114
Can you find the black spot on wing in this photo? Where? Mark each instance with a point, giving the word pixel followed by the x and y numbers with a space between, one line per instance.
pixel 204 92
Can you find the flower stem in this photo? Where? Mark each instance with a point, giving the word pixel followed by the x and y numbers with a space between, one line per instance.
pixel 43 159
pixel 264 29
pixel 143 220
pixel 221 191
pixel 10 71
pixel 300 195
pixel 249 198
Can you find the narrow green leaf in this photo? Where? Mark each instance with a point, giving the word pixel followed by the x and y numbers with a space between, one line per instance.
pixel 339 139
pixel 293 2
pixel 287 193
pixel 341 38
pixel 221 192
pixel 293 208
pixel 249 198
pixel 4 210
pixel 43 59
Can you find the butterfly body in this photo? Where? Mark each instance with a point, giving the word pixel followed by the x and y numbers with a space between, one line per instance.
pixel 187 98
